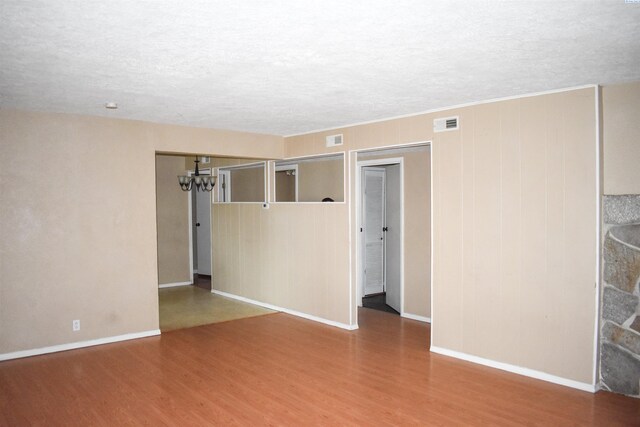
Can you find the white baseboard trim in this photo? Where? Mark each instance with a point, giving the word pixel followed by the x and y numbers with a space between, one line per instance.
pixel 286 310
pixel 79 344
pixel 591 388
pixel 173 285
pixel 416 317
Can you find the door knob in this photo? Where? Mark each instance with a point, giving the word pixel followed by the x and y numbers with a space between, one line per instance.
pixel 197 224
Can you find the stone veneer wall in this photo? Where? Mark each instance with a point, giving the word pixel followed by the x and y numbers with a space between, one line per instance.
pixel 620 323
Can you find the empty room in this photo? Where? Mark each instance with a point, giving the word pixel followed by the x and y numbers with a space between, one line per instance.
pixel 320 213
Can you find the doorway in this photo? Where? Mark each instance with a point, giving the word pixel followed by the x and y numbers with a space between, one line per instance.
pixel 414 161
pixel 381 235
pixel 185 233
pixel 200 235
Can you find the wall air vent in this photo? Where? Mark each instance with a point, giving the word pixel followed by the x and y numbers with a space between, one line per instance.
pixel 333 140
pixel 446 124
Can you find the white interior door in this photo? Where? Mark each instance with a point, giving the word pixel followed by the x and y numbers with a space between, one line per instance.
pixel 393 238
pixel 203 231
pixel 373 204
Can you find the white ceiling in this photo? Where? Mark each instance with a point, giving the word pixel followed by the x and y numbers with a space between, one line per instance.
pixel 286 67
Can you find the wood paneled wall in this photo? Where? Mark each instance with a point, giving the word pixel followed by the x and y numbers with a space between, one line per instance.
pixel 621 137
pixel 515 219
pixel 514 228
pixel 290 255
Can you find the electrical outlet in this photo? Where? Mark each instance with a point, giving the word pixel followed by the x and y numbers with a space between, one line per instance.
pixel 76 325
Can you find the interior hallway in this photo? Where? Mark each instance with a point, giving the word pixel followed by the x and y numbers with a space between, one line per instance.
pixel 284 370
pixel 189 306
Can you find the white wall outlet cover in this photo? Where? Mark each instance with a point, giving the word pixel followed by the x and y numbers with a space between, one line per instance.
pixel 76 325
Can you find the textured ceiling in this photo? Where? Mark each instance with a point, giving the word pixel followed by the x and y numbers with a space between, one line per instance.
pixel 286 67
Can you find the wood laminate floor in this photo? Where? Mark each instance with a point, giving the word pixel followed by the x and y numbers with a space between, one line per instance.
pixel 282 370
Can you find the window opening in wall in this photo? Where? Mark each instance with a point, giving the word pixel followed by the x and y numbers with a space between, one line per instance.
pixel 242 183
pixel 313 179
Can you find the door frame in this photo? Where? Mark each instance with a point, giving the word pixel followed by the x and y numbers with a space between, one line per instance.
pixel 190 224
pixel 360 165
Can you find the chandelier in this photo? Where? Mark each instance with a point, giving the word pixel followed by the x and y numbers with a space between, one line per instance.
pixel 202 182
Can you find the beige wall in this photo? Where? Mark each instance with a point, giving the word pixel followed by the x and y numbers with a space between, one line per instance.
pixel 79 240
pixel 417 235
pixel 621 136
pixel 247 185
pixel 514 226
pixel 515 234
pixel 417 229
pixel 173 221
pixel 290 255
pixel 213 142
pixel 319 179
pixel 286 186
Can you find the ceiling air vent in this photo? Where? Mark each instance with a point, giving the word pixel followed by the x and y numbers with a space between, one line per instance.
pixel 333 140
pixel 445 124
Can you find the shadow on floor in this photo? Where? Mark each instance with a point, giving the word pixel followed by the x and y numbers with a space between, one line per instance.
pixel 202 281
pixel 377 302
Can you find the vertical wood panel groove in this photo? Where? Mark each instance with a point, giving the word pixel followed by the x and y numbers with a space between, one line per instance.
pixel 529 261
